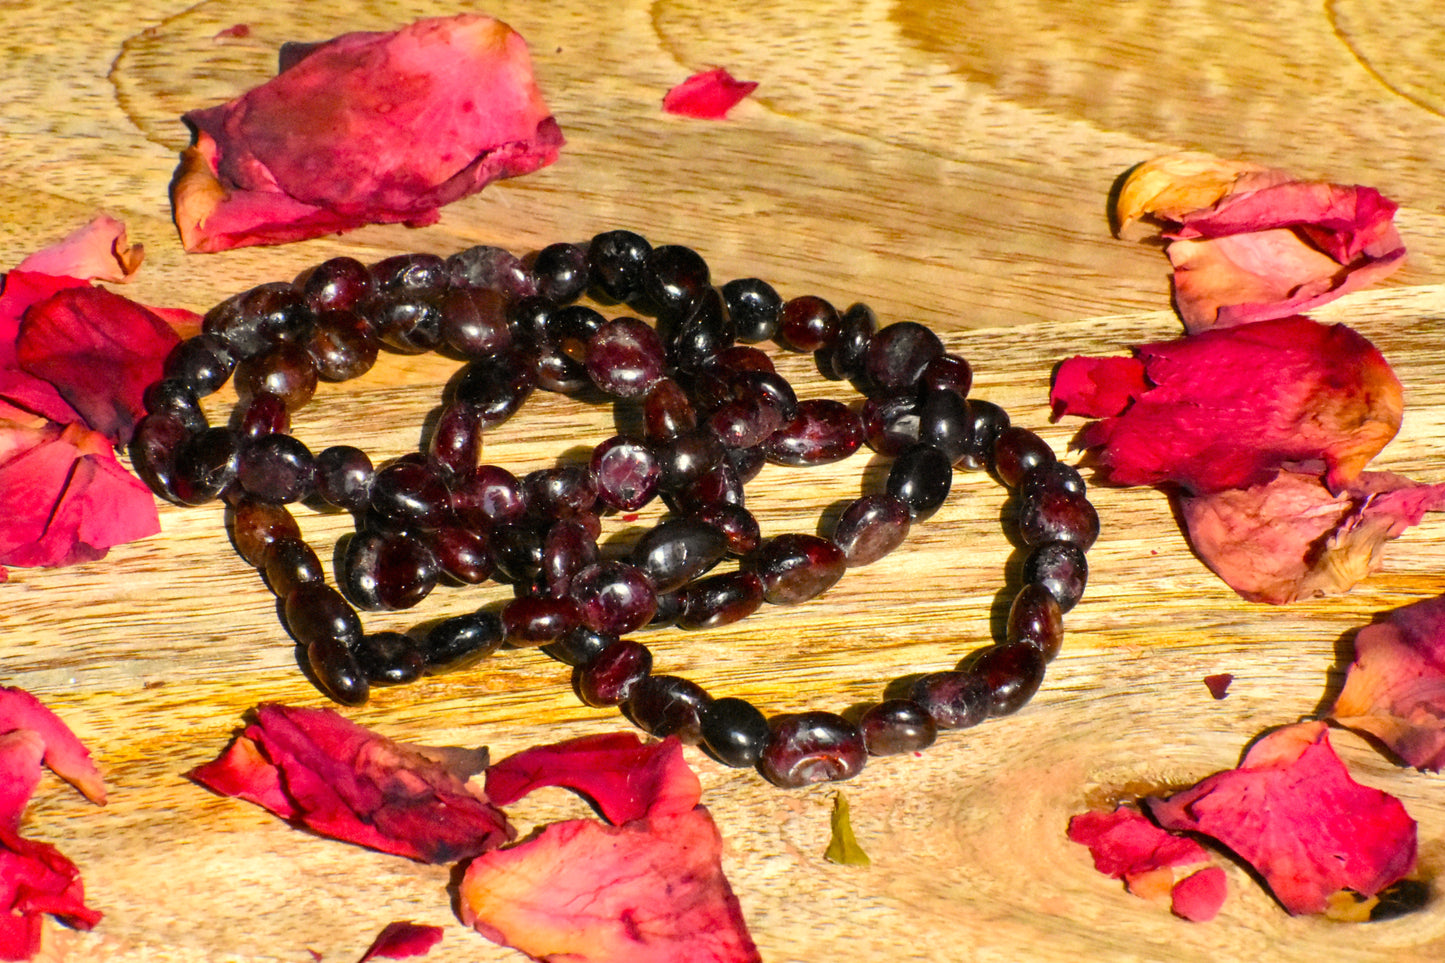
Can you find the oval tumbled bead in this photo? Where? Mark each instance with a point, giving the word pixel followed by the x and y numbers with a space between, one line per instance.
pixel 797 567
pixel 1036 619
pixel 812 747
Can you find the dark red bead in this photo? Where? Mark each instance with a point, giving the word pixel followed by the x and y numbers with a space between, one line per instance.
pixel 289 563
pixel 871 527
pixel 1016 451
pixel 1055 515
pixel 461 641
pixel 626 473
pixel 676 551
pixel 734 732
pixel 1011 674
pixel 897 726
pixel 536 620
pixel 812 747
pixel 719 600
pixel 953 700
pixel 315 610
pixel 796 567
pixel 821 432
pixel 613 597
pixel 1060 567
pixel 336 671
pixel 387 571
pixel 921 478
pixel 342 345
pixel 256 524
pixel 389 658
pixel 807 323
pixel 286 370
pixel 666 705
pixel 1036 619
pixel 609 678
pixel 462 553
pixel 898 354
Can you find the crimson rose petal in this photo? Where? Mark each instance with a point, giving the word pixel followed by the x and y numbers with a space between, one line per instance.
pixel 343 781
pixel 20 290
pixel 624 777
pixel 1229 408
pixel 1292 812
pixel 20 755
pixel 649 891
pixel 99 350
pixel 1199 896
pixel 1125 844
pixel 403 939
pixel 364 128
pixel 1395 688
pixel 708 95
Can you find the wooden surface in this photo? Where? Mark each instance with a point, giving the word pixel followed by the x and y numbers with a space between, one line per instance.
pixel 947 163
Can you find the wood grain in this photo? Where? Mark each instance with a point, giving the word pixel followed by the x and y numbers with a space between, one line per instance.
pixel 947 163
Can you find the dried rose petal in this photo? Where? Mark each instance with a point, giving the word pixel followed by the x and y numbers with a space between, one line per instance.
pixel 1257 243
pixel 365 128
pixel 99 251
pixel 625 778
pixel 403 939
pixel 343 781
pixel 1291 539
pixel 649 891
pixel 21 289
pixel 1228 408
pixel 99 350
pixel 1097 387
pixel 708 95
pixel 20 753
pixel 1126 845
pixel 66 500
pixel 66 755
pixel 1199 896
pixel 1395 688
pixel 1218 685
pixel 1292 812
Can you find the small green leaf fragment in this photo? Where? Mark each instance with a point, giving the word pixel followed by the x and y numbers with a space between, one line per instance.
pixel 843 847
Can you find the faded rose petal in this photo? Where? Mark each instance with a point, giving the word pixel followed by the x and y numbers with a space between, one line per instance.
pixel 1291 539
pixel 649 891
pixel 99 251
pixel 1395 688
pixel 36 879
pixel 1249 243
pixel 624 777
pixel 403 939
pixel 65 755
pixel 67 500
pixel 1199 896
pixel 1125 843
pixel 708 95
pixel 345 782
pixel 1218 685
pixel 99 350
pixel 1292 812
pixel 365 128
pixel 1228 408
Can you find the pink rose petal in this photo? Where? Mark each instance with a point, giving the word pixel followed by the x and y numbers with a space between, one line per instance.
pixel 20 753
pixel 98 251
pixel 1199 896
pixel 1125 843
pixel 365 128
pixel 65 754
pixel 1229 408
pixel 1395 687
pixel 624 777
pixel 707 96
pixel 1292 812
pixel 649 891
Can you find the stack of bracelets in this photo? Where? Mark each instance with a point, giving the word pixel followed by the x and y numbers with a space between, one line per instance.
pixel 712 410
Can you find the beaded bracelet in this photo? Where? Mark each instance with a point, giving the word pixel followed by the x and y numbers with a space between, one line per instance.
pixel 713 410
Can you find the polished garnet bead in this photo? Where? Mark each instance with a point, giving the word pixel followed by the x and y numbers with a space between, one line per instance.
pixel 892 423
pixel 578 646
pixel 336 671
pixel 754 307
pixel 625 358
pixel 948 372
pixel 342 345
pixel 263 414
pixel 561 492
pixel 491 268
pixel 821 432
pixel 1051 476
pixel 205 465
pixel 1016 451
pixel 1055 515
pixel 407 320
pixel 463 554
pixel 1035 618
pixel 626 473
pixel 845 358
pixel 898 354
pixel 286 370
pixel 340 283
pixel 666 705
pixel 517 551
pixel 387 570
pixel 1011 674
pixel 474 323
pixel 618 260
pixel 613 597
pixel 667 412
pixel 896 726
pixel 812 747
pixel 953 700
pixel 532 620
pixel 343 477
pixel 389 658
pixel 797 567
pixel 921 479
pixel 1060 567
pixel 175 397
pixel 609 678
pixel 986 421
pixel 315 610
pixel 289 563
pixel 410 272
pixel 276 468
pixel 675 279
pixel 738 525
pixel 807 323
pixel 561 272
pixel 410 494
pixel 256 524
pixel 734 732
pixel 488 496
pixel 498 385
pixel 152 449
pixel 944 423
pixel 460 641
pixel 568 546
pixel 677 551
pixel 456 439
pixel 871 527
pixel 203 363
pixel 719 600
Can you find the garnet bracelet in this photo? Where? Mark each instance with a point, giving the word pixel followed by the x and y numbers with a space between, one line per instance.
pixel 711 410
